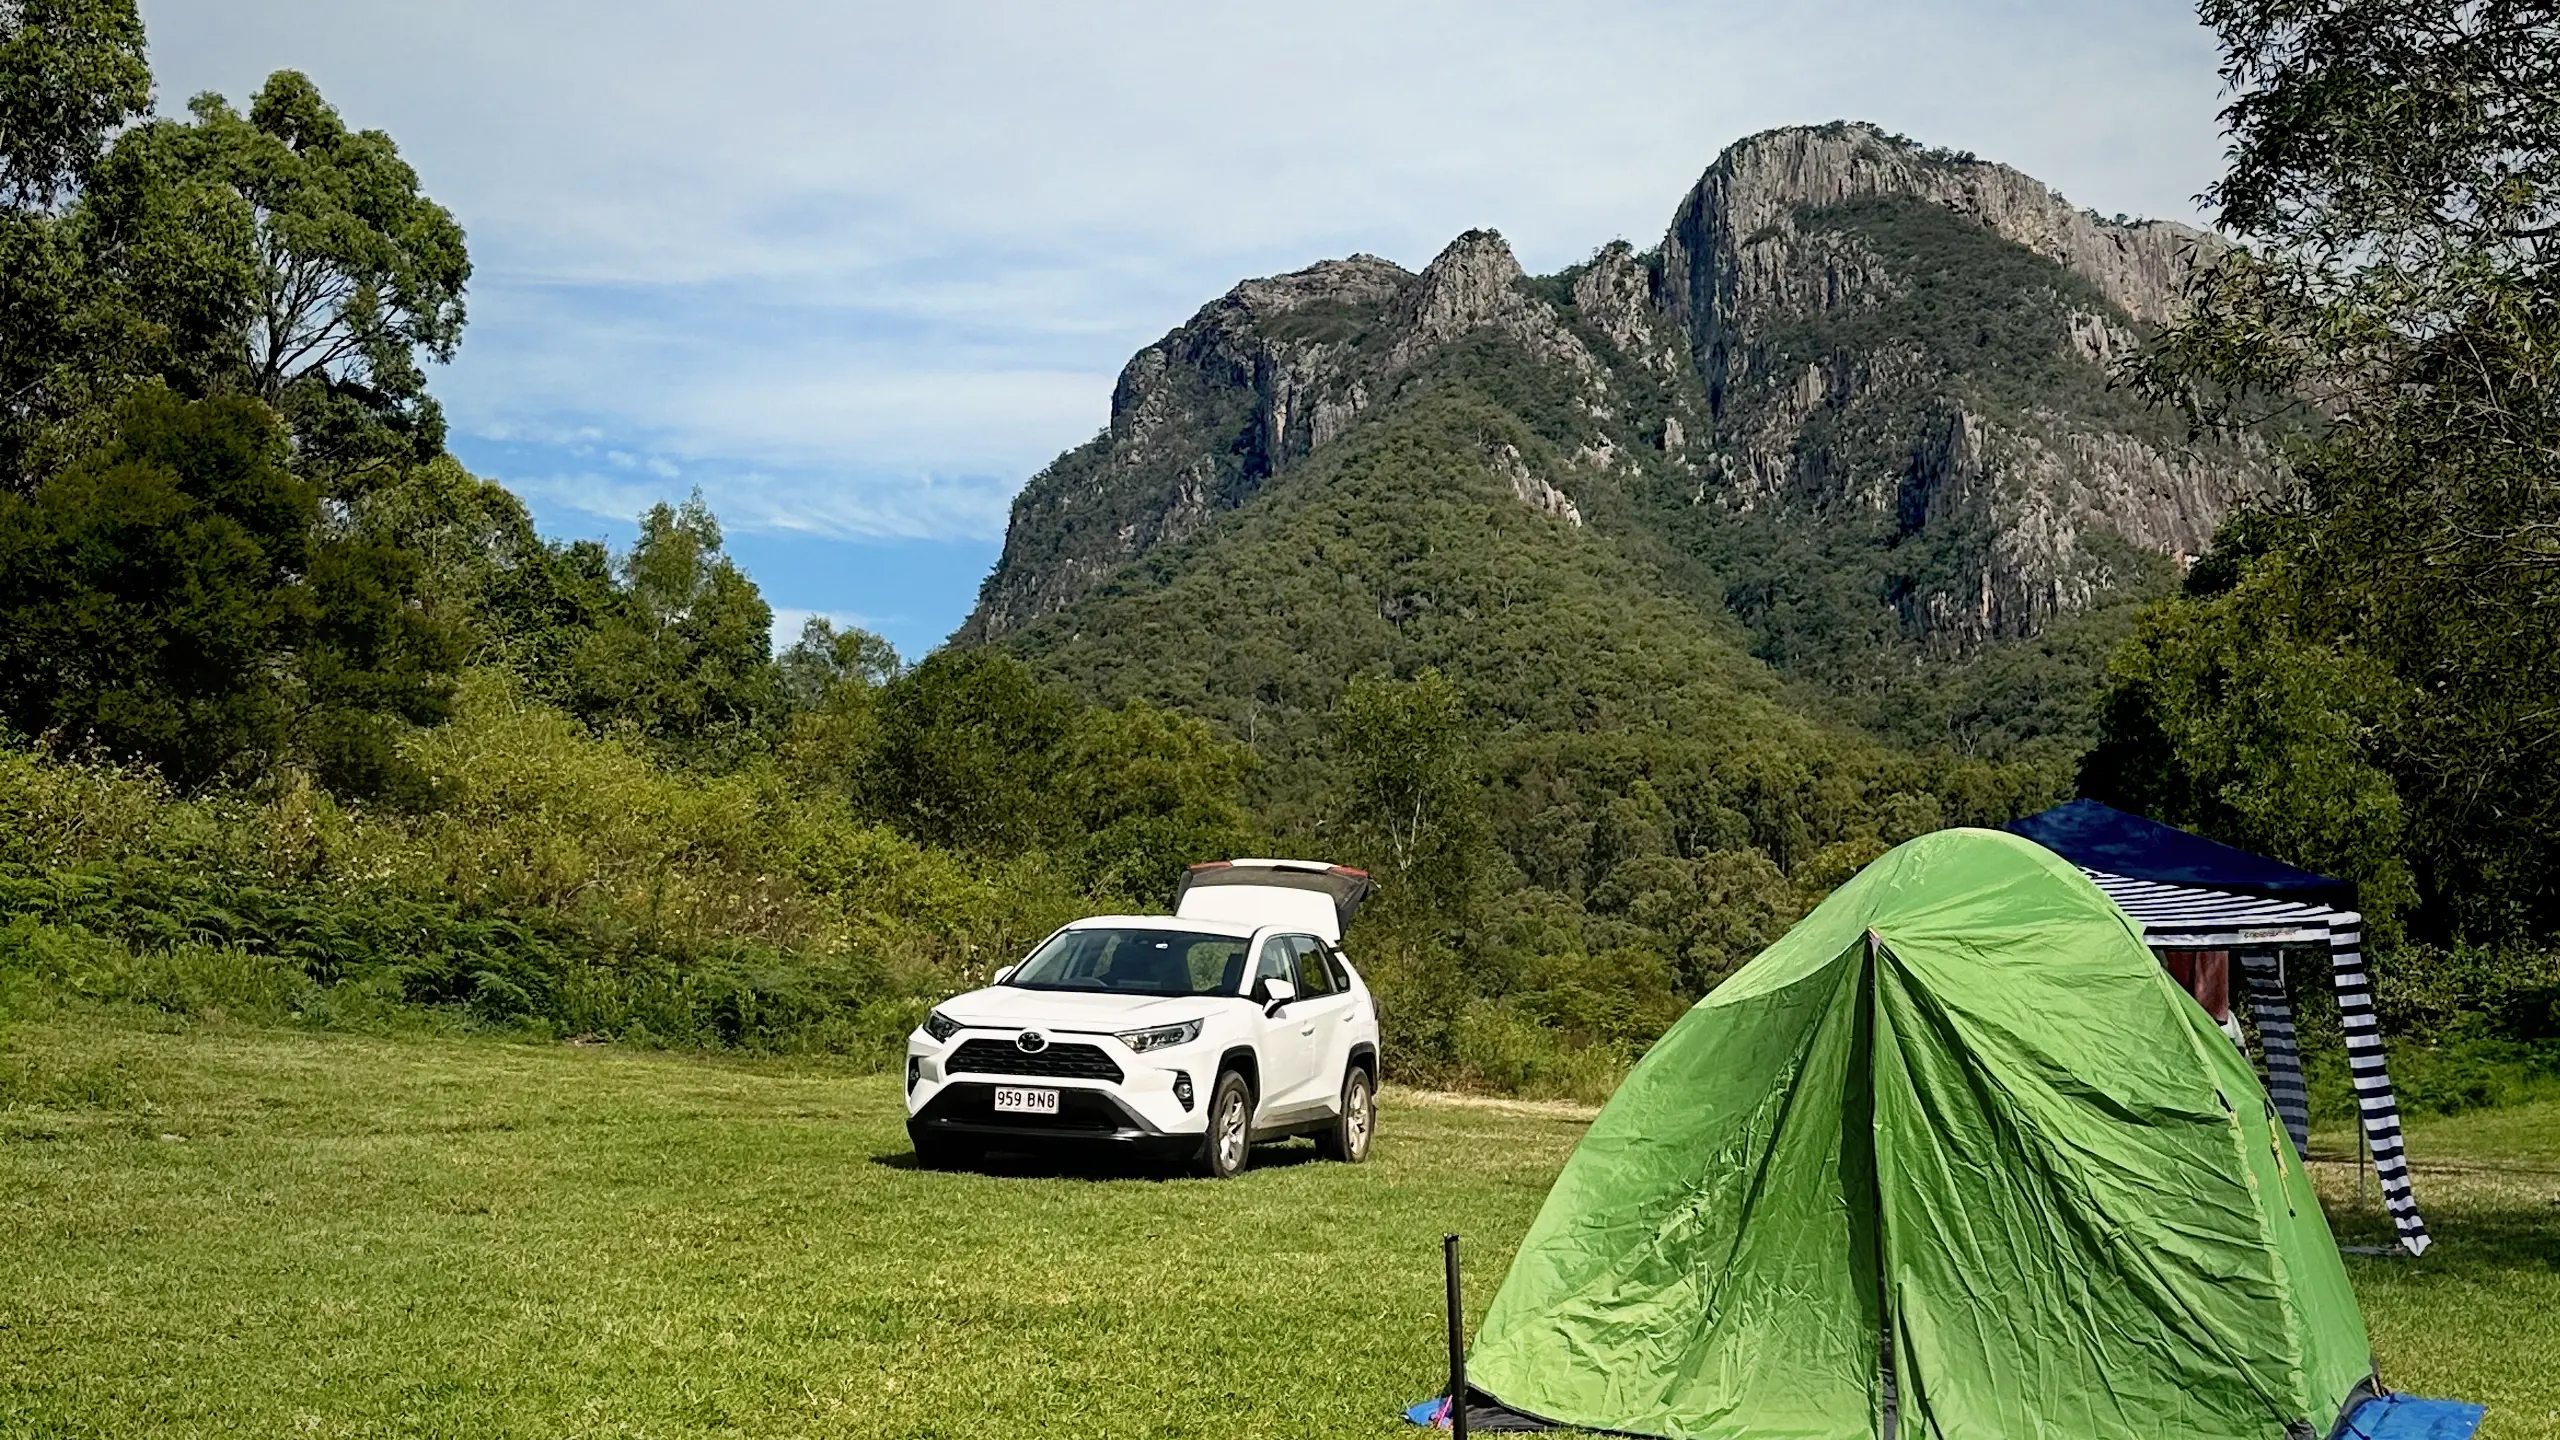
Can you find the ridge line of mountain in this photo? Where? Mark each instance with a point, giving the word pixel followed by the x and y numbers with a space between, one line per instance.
pixel 1281 366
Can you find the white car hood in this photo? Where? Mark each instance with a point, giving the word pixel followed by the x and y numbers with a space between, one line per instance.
pixel 1010 1007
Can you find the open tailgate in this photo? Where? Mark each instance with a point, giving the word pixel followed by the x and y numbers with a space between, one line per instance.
pixel 1301 893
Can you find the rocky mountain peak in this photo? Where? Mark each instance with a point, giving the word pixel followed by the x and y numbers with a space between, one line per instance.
pixel 1615 295
pixel 1356 280
pixel 1886 333
pixel 1756 188
pixel 1473 283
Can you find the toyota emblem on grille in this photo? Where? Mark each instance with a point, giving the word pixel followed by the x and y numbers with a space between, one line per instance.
pixel 1031 1042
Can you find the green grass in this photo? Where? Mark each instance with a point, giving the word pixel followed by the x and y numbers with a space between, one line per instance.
pixel 270 1232
pixel 2478 1316
pixel 225 1230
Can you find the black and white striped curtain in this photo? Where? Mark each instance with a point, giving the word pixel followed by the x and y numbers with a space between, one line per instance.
pixel 2375 1104
pixel 2273 1012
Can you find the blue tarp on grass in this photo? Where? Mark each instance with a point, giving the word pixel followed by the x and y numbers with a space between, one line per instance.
pixel 2406 1417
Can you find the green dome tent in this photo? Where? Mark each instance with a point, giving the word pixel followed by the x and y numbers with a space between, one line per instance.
pixel 1954 1157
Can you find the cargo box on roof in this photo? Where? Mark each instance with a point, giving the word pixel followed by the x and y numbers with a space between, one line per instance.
pixel 1309 894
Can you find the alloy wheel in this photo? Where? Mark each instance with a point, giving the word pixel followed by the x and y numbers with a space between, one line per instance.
pixel 1231 1134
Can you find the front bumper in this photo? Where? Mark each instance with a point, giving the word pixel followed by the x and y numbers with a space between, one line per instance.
pixel 1142 1100
pixel 964 1111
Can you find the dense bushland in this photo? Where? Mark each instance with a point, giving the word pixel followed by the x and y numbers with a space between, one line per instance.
pixel 558 883
pixel 1586 801
pixel 2470 1026
pixel 298 718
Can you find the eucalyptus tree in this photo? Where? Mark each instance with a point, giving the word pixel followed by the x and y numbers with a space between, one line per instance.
pixel 209 327
pixel 356 274
pixel 277 253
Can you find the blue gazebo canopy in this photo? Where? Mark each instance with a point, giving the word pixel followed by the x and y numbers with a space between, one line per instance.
pixel 2100 837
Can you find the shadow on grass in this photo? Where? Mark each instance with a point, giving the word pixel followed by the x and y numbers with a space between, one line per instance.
pixel 2468 1241
pixel 1099 1163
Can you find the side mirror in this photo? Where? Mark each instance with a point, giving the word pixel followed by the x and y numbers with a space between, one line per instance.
pixel 998 978
pixel 1276 993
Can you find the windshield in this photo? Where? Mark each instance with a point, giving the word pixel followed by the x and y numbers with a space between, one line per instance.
pixel 1135 962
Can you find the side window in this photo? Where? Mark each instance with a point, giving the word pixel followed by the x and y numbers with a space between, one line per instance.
pixel 1275 962
pixel 1341 968
pixel 1314 976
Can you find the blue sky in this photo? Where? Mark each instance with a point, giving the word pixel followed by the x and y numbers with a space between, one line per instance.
pixel 857 271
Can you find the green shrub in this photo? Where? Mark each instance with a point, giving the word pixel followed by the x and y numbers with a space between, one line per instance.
pixel 2508 992
pixel 1496 1046
pixel 189 979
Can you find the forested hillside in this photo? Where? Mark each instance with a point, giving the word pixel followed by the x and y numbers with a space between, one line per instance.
pixel 1860 398
pixel 1861 503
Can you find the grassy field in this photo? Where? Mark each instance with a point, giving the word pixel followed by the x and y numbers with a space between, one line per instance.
pixel 234 1231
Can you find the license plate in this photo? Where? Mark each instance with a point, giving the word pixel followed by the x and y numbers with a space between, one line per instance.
pixel 1012 1101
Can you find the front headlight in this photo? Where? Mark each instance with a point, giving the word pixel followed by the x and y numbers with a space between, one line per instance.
pixel 940 1026
pixel 1161 1036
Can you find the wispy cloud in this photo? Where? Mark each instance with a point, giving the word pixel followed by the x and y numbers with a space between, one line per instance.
pixel 916 507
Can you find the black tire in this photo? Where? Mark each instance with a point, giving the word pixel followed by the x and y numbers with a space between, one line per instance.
pixel 1347 1138
pixel 935 1152
pixel 1226 1145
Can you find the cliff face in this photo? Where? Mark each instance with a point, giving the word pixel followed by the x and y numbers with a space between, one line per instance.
pixel 1897 356
pixel 1200 421
pixel 1729 245
pixel 1886 331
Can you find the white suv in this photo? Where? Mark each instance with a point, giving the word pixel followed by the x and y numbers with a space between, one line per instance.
pixel 1235 1019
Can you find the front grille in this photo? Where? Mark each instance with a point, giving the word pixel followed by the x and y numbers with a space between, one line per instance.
pixel 1067 1061
pixel 1080 1112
